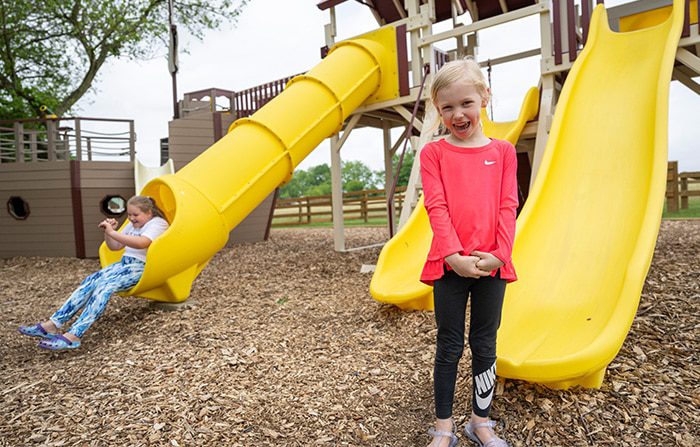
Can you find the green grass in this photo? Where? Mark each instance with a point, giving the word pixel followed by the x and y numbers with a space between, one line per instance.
pixel 693 210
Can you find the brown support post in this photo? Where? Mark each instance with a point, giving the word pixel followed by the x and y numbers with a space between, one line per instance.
pixel 365 213
pixel 402 56
pixel 272 214
pixel 672 187
pixel 556 13
pixel 89 148
pixel 308 210
pixel 571 29
pixel 585 18
pixel 216 122
pixel 686 20
pixel 77 202
pixel 684 192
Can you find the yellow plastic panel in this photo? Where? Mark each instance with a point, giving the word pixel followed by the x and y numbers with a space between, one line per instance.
pixel 586 235
pixel 207 198
pixel 654 17
pixel 396 278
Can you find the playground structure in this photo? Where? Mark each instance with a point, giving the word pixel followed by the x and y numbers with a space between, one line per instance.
pixel 370 81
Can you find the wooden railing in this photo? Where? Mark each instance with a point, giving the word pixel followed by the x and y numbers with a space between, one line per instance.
pixel 249 101
pixel 76 138
pixel 680 187
pixel 359 205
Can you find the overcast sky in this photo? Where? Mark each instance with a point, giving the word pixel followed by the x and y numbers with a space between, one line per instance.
pixel 274 39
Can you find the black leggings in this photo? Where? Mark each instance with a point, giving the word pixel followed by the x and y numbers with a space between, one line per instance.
pixel 450 294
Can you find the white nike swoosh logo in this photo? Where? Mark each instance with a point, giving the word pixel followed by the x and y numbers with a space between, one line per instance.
pixel 483 402
pixel 489 163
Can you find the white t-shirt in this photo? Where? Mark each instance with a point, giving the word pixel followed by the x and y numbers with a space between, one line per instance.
pixel 152 229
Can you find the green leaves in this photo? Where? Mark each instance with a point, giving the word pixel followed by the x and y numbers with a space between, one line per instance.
pixel 52 50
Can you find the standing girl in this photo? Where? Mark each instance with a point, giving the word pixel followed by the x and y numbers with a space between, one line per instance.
pixel 146 223
pixel 470 191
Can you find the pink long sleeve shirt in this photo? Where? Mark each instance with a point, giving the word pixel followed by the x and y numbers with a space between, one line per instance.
pixel 471 195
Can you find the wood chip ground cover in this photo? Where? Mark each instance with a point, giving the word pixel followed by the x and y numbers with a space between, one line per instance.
pixel 283 346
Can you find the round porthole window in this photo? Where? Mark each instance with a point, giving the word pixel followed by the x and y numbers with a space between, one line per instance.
pixel 18 207
pixel 113 206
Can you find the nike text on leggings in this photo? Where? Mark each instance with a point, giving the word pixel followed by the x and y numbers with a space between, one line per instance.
pixel 486 297
pixel 94 292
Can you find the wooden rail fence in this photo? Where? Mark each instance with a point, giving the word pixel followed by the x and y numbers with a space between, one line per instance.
pixel 680 186
pixel 359 205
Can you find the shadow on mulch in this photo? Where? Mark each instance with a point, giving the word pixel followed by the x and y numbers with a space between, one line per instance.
pixel 284 346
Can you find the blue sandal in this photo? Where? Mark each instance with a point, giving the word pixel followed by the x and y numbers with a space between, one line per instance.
pixel 36 330
pixel 58 342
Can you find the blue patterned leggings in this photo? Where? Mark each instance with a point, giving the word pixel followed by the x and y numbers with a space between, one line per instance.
pixel 94 292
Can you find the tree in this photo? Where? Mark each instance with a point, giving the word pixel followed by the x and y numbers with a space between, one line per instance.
pixel 357 176
pixel 52 50
pixel 404 172
pixel 316 181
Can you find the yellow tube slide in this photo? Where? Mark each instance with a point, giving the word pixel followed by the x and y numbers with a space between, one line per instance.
pixel 586 235
pixel 396 277
pixel 207 198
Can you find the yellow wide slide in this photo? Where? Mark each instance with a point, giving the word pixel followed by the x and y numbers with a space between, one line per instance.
pixel 396 277
pixel 586 236
pixel 207 198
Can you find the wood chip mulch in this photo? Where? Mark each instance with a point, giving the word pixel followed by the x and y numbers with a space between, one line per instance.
pixel 284 346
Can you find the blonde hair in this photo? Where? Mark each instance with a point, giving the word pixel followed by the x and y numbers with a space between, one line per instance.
pixel 453 71
pixel 147 205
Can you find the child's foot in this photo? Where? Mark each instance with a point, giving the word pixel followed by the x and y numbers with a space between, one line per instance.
pixel 443 434
pixel 481 431
pixel 42 330
pixel 60 342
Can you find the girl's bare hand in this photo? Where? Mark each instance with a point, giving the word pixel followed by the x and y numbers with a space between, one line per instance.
pixel 465 265
pixel 487 261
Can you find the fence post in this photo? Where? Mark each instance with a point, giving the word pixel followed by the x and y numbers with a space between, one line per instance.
pixel 78 141
pixel 51 139
pixel 308 210
pixel 33 145
pixel 684 192
pixel 365 214
pixel 19 142
pixel 672 187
